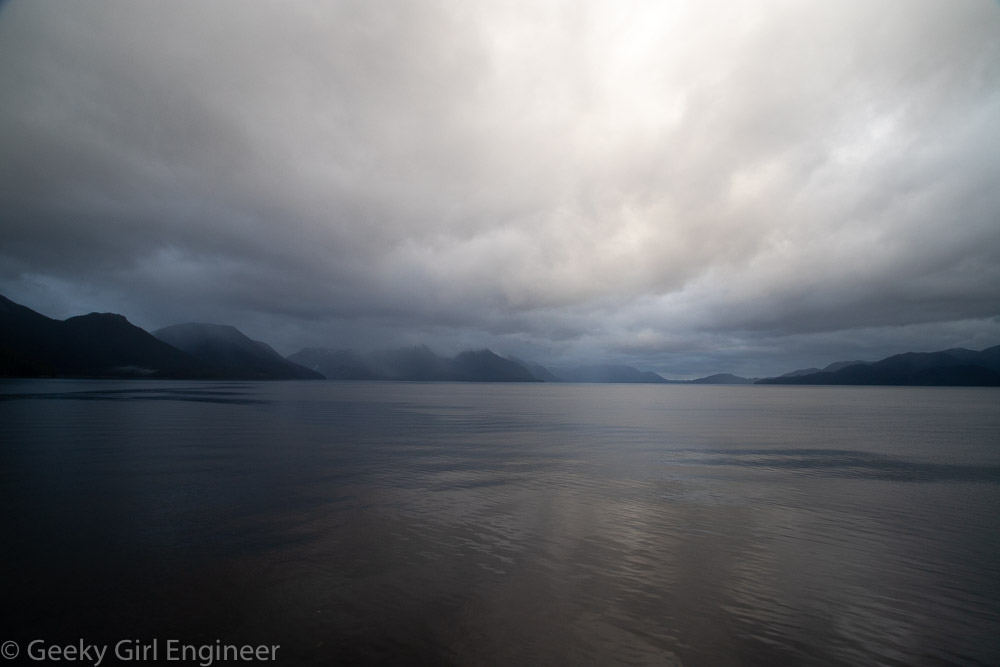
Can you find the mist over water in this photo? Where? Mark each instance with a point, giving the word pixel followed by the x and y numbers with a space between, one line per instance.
pixel 498 524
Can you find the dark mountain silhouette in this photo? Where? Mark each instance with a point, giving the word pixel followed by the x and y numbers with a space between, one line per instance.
pixel 94 345
pixel 955 367
pixel 232 354
pixel 108 345
pixel 28 341
pixel 609 373
pixel 988 358
pixel 412 364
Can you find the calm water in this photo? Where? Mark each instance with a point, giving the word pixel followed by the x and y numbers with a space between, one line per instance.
pixel 409 523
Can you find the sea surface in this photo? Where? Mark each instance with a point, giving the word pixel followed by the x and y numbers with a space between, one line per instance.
pixel 505 524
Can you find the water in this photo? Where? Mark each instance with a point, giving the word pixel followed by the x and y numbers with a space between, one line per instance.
pixel 468 524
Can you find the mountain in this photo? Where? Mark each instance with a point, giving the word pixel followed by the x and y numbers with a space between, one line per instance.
pixel 336 364
pixel 539 371
pixel 417 363
pixel 420 363
pixel 27 341
pixel 955 367
pixel 801 371
pixel 408 363
pixel 609 373
pixel 108 345
pixel 835 366
pixel 722 378
pixel 485 366
pixel 232 354
pixel 94 345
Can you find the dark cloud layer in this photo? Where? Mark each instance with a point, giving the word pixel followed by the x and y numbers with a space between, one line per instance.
pixel 687 186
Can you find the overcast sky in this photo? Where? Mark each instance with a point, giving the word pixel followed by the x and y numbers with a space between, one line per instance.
pixel 690 187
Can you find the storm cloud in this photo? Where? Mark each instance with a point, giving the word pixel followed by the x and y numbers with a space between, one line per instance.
pixel 691 187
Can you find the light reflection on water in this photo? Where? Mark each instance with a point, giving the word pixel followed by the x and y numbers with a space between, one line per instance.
pixel 470 524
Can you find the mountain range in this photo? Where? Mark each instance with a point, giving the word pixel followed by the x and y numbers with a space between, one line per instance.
pixel 98 344
pixel 413 364
pixel 108 345
pixel 954 367
pixel 230 353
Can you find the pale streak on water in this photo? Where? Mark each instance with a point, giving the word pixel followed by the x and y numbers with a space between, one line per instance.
pixel 410 523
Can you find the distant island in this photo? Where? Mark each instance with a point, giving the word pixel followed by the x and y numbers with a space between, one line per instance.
pixel 107 345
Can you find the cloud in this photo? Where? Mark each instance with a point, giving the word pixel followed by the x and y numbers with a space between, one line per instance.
pixel 680 184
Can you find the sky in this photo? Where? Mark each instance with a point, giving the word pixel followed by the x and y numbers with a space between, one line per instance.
pixel 744 186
